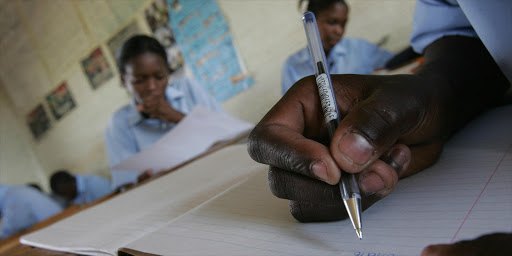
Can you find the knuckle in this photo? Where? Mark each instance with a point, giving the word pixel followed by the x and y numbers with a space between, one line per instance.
pixel 277 182
pixel 296 211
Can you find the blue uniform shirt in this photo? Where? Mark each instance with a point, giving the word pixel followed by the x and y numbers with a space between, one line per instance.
pixel 349 56
pixel 129 133
pixel 434 19
pixel 91 188
pixel 23 206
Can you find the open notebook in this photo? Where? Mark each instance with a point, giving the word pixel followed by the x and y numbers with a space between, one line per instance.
pixel 467 193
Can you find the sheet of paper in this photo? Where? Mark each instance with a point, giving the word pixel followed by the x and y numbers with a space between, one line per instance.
pixel 195 134
pixel 106 227
pixel 466 194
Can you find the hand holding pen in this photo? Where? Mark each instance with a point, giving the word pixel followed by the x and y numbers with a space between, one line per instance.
pixel 383 119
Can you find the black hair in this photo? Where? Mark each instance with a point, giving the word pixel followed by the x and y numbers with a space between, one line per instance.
pixel 59 179
pixel 137 45
pixel 316 6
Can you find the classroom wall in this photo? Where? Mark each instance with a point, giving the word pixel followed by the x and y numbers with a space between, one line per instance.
pixel 265 33
pixel 18 163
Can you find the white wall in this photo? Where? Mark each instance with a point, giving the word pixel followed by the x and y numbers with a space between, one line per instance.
pixel 18 164
pixel 266 32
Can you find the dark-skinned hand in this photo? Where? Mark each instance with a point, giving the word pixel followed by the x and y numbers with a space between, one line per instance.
pixel 158 107
pixel 391 127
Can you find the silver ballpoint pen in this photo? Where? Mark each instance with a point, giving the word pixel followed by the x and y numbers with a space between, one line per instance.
pixel 348 185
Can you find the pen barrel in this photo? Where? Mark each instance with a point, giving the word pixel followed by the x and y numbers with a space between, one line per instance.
pixel 349 187
pixel 315 46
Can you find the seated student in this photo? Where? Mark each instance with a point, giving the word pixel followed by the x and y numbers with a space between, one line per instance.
pixel 79 188
pixel 158 103
pixel 344 55
pixel 22 206
pixel 392 126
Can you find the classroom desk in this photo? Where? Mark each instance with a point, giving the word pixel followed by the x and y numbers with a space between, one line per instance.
pixel 11 246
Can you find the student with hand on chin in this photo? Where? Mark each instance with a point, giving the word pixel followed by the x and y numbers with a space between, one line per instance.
pixel 158 104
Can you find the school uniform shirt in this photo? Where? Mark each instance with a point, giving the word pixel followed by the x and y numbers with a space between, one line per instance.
pixel 128 132
pixel 488 20
pixel 91 188
pixel 23 206
pixel 349 56
pixel 448 19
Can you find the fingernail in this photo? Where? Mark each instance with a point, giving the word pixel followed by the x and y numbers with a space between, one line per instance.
pixel 399 158
pixel 319 169
pixel 371 183
pixel 356 148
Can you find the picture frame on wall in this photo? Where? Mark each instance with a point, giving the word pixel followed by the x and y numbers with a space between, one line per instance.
pixel 60 101
pixel 97 68
pixel 38 121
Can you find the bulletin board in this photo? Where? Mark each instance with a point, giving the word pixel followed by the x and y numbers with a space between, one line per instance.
pixel 206 44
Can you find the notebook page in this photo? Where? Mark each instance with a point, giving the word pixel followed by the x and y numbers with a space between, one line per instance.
pixel 106 227
pixel 201 129
pixel 466 194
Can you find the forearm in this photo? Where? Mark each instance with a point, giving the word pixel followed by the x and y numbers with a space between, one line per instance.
pixel 464 80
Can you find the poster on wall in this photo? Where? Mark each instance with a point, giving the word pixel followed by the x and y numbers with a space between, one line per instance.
pixel 206 43
pixel 96 68
pixel 157 17
pixel 118 39
pixel 60 101
pixel 38 121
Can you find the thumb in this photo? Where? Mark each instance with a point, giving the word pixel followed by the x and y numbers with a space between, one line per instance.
pixel 372 126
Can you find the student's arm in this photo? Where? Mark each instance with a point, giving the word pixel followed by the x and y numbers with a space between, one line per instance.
pixel 100 187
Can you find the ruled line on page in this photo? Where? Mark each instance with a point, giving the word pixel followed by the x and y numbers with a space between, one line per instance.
pixel 479 195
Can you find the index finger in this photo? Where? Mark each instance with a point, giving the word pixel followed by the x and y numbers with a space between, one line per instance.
pixel 287 136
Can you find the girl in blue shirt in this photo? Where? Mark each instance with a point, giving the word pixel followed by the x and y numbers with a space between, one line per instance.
pixel 158 103
pixel 344 55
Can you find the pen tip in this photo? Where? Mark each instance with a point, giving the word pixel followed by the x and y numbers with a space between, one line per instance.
pixel 359 233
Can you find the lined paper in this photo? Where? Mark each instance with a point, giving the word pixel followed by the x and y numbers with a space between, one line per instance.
pixel 466 194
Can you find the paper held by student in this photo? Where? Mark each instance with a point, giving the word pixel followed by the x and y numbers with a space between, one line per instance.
pixel 201 130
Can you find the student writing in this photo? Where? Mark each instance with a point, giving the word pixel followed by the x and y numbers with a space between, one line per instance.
pixel 392 127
